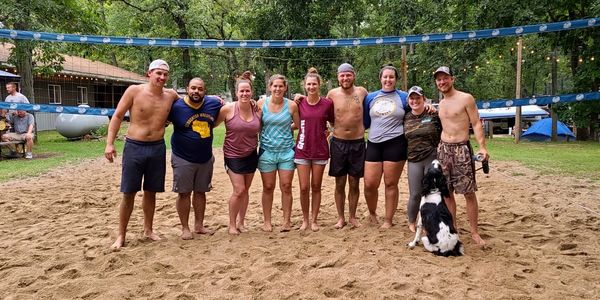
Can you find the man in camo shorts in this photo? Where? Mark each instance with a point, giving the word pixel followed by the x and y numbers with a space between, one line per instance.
pixel 458 112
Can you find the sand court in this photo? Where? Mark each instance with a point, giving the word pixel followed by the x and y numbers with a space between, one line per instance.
pixel 56 230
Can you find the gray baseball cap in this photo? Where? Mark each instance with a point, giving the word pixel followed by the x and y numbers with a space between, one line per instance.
pixel 443 69
pixel 345 67
pixel 415 89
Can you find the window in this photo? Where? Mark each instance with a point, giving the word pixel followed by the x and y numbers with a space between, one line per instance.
pixel 54 94
pixel 82 97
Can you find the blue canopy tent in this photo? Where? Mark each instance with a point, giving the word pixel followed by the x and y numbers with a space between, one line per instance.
pixel 541 131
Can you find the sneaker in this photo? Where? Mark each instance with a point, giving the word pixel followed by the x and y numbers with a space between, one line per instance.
pixel 28 155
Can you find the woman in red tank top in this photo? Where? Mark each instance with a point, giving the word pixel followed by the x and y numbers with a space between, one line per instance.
pixel 312 149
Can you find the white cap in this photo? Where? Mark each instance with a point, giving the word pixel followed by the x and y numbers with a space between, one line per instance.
pixel 158 64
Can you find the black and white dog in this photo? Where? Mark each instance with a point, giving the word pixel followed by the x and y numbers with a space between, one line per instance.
pixel 434 216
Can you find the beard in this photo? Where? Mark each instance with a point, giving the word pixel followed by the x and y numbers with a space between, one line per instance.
pixel 346 85
pixel 445 88
pixel 196 98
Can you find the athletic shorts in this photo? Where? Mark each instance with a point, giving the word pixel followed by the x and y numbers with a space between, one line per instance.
pixel 191 177
pixel 269 161
pixel 394 150
pixel 145 160
pixel 308 162
pixel 459 168
pixel 17 136
pixel 347 157
pixel 242 165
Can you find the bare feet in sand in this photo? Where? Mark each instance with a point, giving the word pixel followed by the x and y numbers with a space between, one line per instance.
pixel 340 224
pixel 152 236
pixel 386 225
pixel 119 242
pixel 267 228
pixel 478 240
pixel 202 230
pixel 314 226
pixel 412 227
pixel 285 227
pixel 186 234
pixel 354 222
pixel 304 226
pixel 373 219
pixel 241 228
pixel 234 231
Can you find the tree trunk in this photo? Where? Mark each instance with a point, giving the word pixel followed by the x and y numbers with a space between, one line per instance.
pixel 232 67
pixel 23 52
pixel 583 133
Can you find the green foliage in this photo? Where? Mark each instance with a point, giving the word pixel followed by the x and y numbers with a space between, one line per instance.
pixel 485 68
pixel 101 131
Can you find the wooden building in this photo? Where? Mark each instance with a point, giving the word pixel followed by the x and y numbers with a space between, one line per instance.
pixel 81 81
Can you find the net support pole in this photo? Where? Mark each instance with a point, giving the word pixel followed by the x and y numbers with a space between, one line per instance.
pixel 517 127
pixel 554 90
pixel 404 70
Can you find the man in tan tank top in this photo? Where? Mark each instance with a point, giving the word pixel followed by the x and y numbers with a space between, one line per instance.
pixel 458 112
pixel 347 147
pixel 144 153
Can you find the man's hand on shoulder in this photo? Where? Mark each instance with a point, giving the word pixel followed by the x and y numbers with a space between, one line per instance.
pixel 173 93
pixel 298 98
pixel 220 99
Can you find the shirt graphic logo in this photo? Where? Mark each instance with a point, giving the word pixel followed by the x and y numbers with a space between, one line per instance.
pixel 201 127
pixel 384 107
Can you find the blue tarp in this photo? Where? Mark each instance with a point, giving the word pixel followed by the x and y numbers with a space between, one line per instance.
pixel 541 131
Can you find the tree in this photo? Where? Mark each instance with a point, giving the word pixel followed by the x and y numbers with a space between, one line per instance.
pixel 40 15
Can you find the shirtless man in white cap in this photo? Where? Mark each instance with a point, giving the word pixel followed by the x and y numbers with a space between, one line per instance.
pixel 144 153
pixel 347 146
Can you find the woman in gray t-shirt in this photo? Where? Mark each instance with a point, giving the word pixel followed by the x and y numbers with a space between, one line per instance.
pixel 386 147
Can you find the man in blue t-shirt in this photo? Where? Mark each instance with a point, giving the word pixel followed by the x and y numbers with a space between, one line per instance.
pixel 193 118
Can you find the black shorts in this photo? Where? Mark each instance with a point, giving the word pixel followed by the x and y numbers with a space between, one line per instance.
pixel 145 160
pixel 394 150
pixel 242 165
pixel 347 157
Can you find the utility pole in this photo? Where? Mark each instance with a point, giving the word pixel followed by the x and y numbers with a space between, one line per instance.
pixel 553 91
pixel 517 127
pixel 404 70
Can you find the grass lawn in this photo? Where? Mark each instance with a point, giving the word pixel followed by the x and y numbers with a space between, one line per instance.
pixel 580 159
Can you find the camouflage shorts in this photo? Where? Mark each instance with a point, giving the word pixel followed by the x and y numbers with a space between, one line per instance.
pixel 458 165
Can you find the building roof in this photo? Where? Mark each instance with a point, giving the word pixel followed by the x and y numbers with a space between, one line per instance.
pixel 74 65
pixel 4 74
pixel 510 112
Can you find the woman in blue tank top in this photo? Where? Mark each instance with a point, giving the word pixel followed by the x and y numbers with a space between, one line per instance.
pixel 276 155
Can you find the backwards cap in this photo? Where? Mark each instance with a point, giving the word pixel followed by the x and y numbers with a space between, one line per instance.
pixel 345 67
pixel 158 64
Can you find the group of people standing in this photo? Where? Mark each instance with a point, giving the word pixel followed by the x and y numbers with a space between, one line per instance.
pixel 259 135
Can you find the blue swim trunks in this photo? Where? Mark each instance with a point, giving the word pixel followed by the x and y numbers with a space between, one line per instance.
pixel 145 160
